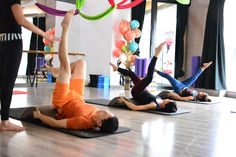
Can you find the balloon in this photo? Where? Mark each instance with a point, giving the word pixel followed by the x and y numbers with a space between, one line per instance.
pixel 133 46
pixel 116 53
pixel 129 35
pixel 51 31
pixel 124 48
pixel 124 27
pixel 48 57
pixel 47 48
pixel 45 41
pixel 134 24
pixel 120 43
pixel 133 57
pixel 137 33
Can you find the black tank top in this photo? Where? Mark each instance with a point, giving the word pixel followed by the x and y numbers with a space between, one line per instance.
pixel 8 22
pixel 145 98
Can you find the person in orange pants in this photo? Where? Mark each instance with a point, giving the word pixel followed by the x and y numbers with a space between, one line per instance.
pixel 68 95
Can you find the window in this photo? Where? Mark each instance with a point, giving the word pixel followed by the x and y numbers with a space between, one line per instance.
pixel 165 31
pixel 230 46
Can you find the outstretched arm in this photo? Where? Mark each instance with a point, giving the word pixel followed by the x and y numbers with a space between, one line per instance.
pixel 176 96
pixel 49 120
pixel 21 20
pixel 150 106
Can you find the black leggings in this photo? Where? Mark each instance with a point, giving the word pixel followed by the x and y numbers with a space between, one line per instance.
pixel 10 57
pixel 140 84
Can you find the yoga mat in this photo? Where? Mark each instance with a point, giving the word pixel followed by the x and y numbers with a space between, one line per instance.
pixel 164 95
pixel 19 92
pixel 26 114
pixel 110 103
pixel 137 66
pixel 203 102
pixel 145 64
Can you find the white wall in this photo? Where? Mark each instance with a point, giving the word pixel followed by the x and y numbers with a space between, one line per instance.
pixel 94 38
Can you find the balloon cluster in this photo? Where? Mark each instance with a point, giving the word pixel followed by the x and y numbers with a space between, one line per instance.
pixel 49 46
pixel 129 31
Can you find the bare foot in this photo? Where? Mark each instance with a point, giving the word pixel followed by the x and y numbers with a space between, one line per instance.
pixel 115 68
pixel 206 65
pixel 158 49
pixel 54 71
pixel 8 126
pixel 67 19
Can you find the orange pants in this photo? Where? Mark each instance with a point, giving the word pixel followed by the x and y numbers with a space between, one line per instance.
pixel 64 92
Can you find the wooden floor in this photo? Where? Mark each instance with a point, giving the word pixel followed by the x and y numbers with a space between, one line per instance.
pixel 208 131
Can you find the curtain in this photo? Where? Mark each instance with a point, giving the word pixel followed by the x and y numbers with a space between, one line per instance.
pixel 36 43
pixel 213 48
pixel 138 13
pixel 182 20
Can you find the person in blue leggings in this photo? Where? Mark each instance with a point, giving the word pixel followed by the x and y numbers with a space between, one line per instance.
pixel 143 98
pixel 182 88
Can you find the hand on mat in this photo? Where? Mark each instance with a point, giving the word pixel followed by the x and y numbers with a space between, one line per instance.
pixel 114 67
pixel 36 113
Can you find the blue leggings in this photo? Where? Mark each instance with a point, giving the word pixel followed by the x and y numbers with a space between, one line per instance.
pixel 179 85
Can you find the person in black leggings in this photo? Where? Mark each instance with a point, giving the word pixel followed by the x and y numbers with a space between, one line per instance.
pixel 145 100
pixel 12 18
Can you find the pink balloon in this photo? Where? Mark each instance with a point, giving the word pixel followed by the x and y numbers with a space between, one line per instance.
pixel 50 32
pixel 116 53
pixel 45 41
pixel 137 33
pixel 124 27
pixel 129 35
pixel 120 43
pixel 133 57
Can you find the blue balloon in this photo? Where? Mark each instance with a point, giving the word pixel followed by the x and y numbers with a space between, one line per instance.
pixel 46 48
pixel 133 46
pixel 134 24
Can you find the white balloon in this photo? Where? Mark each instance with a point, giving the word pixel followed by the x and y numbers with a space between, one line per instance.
pixel 48 57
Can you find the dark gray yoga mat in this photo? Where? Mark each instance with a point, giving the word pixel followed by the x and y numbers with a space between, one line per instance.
pixel 113 102
pixel 26 114
pixel 203 102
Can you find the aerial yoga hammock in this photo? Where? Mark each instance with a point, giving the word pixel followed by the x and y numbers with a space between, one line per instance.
pixel 79 5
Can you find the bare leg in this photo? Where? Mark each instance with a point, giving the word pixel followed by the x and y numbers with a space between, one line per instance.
pixel 55 70
pixel 158 49
pixel 78 70
pixel 64 70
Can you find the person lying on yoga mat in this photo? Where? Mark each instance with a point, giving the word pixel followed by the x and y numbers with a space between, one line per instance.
pixel 68 95
pixel 145 100
pixel 181 88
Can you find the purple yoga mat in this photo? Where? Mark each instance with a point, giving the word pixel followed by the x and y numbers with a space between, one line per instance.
pixel 145 63
pixel 196 61
pixel 138 67
pixel 136 71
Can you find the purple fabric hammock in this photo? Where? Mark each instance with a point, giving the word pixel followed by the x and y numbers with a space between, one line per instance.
pixel 53 11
